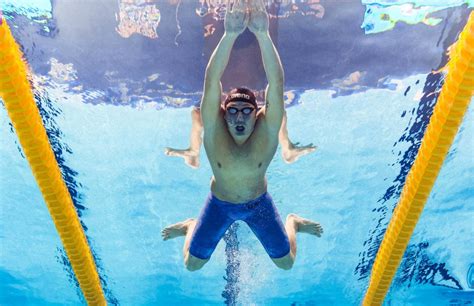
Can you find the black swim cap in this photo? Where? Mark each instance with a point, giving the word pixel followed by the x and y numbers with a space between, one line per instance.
pixel 241 94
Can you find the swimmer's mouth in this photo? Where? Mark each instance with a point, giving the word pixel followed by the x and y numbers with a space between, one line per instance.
pixel 240 128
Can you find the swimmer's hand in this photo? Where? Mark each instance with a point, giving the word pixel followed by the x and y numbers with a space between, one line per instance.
pixel 258 17
pixel 237 18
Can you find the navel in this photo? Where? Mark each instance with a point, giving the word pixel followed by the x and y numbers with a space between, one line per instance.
pixel 259 165
pixel 219 165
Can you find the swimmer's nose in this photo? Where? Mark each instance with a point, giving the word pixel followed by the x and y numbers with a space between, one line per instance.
pixel 240 122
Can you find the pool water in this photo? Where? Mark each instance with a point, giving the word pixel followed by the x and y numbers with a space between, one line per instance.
pixel 111 103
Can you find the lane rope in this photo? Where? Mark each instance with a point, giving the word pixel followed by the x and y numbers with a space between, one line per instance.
pixel 19 101
pixel 450 108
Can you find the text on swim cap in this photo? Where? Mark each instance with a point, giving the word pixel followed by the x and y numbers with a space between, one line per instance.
pixel 240 95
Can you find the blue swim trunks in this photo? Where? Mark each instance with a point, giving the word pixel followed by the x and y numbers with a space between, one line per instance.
pixel 260 214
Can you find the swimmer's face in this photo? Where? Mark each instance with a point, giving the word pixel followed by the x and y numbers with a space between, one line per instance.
pixel 240 117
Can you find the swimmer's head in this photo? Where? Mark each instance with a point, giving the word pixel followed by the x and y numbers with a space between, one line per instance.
pixel 240 108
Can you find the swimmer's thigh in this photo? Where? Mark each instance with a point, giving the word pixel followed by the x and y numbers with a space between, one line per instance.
pixel 267 225
pixel 210 227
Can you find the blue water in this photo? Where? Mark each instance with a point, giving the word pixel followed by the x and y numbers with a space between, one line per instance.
pixel 112 103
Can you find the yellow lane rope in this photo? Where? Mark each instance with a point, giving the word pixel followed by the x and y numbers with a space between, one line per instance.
pixel 447 116
pixel 21 107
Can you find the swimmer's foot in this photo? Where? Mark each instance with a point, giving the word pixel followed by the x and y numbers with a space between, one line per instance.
pixel 177 229
pixel 191 157
pixel 293 152
pixel 303 225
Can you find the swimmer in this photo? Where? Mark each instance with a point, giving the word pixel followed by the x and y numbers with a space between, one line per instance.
pixel 240 144
pixel 290 151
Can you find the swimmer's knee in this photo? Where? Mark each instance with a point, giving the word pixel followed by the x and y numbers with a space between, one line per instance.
pixel 191 267
pixel 291 216
pixel 193 263
pixel 196 111
pixel 285 263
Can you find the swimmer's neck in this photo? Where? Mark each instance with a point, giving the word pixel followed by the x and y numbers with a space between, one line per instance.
pixel 240 142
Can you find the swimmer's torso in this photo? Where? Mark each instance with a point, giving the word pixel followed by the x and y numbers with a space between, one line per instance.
pixel 239 171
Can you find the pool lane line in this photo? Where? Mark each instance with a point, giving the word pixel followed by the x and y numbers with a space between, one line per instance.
pixel 448 113
pixel 19 101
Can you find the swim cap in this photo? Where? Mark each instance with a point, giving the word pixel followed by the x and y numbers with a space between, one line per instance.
pixel 241 94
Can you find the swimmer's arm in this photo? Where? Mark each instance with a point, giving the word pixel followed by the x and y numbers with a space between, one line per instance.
pixel 275 76
pixel 211 99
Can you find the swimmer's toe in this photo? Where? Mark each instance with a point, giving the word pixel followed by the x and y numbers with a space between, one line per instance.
pixel 165 234
pixel 310 227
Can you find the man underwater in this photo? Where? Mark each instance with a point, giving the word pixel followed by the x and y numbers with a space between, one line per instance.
pixel 240 144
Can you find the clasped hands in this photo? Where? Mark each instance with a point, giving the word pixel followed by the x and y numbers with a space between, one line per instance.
pixel 246 13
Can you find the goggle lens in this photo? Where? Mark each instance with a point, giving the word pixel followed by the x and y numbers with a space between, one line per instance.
pixel 245 110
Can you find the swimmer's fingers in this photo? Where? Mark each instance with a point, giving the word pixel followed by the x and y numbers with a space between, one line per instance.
pixel 259 22
pixel 259 5
pixel 236 20
pixel 239 5
pixel 229 6
pixel 253 5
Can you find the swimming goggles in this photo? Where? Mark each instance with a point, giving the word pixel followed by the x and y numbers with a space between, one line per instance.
pixel 245 110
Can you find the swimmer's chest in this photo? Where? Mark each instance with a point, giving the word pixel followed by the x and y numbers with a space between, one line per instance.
pixel 250 159
pixel 238 161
